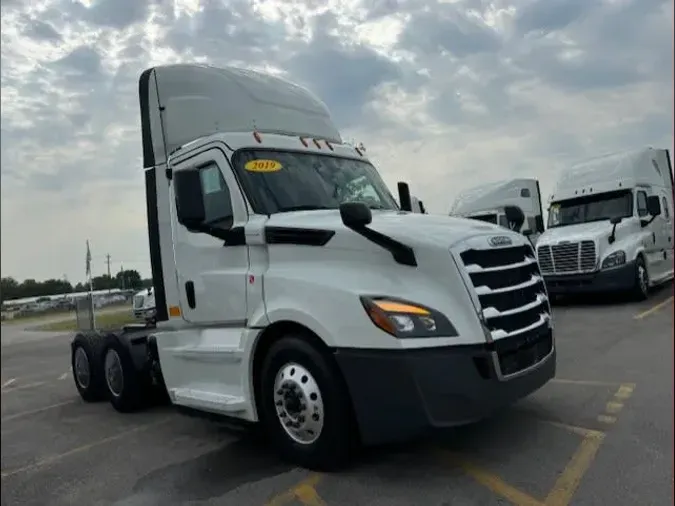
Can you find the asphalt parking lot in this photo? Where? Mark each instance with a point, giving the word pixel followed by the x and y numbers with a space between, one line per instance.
pixel 600 433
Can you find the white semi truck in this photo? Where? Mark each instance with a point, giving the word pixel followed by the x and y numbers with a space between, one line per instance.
pixel 610 225
pixel 143 305
pixel 293 291
pixel 490 202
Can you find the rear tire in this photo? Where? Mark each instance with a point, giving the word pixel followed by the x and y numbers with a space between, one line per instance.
pixel 640 289
pixel 125 387
pixel 301 386
pixel 86 363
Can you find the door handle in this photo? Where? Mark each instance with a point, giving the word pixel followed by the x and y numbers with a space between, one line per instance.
pixel 190 294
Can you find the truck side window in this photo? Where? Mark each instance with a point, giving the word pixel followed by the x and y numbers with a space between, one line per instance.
pixel 664 205
pixel 217 200
pixel 642 204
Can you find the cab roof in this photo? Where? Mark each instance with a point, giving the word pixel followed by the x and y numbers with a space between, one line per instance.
pixel 184 102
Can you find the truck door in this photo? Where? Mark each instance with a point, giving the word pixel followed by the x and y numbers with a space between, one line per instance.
pixel 211 272
pixel 667 219
pixel 652 238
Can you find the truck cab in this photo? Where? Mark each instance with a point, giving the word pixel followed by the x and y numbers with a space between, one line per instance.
pixel 143 305
pixel 488 202
pixel 292 291
pixel 610 225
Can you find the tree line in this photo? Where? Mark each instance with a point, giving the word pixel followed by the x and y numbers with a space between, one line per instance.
pixel 11 289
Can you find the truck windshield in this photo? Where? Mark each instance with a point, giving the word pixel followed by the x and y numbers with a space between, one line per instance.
pixel 600 207
pixel 281 181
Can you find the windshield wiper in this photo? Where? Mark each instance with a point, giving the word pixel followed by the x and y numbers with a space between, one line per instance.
pixel 306 207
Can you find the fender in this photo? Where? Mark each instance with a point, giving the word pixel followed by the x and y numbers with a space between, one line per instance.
pixel 137 345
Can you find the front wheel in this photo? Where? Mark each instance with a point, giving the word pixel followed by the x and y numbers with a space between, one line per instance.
pixel 641 282
pixel 305 407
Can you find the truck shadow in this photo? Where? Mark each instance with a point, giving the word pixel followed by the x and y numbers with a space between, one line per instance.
pixel 213 474
pixel 607 299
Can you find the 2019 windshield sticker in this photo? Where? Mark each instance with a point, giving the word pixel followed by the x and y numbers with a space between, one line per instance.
pixel 263 166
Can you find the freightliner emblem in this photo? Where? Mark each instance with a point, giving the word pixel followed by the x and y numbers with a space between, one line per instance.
pixel 500 240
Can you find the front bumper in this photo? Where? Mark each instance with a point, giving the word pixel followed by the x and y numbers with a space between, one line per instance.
pixel 610 280
pixel 400 394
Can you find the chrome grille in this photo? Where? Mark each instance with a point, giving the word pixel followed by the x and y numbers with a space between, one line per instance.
pixel 510 289
pixel 567 258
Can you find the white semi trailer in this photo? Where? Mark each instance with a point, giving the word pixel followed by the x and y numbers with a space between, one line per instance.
pixel 490 202
pixel 292 291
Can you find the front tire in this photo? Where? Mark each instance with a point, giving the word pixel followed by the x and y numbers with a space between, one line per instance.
pixel 305 407
pixel 640 290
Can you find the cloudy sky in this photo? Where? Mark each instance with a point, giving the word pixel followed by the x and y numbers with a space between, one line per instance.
pixel 443 94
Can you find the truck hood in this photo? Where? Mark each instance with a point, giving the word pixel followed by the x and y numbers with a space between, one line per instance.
pixel 582 231
pixel 409 228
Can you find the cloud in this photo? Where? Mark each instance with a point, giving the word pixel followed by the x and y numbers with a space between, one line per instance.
pixel 443 94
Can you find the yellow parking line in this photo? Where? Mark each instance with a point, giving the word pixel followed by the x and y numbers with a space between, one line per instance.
pixel 567 483
pixel 492 482
pixel 305 492
pixel 653 309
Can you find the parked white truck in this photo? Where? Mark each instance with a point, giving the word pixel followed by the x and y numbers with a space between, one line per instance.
pixel 291 289
pixel 489 202
pixel 610 225
pixel 143 305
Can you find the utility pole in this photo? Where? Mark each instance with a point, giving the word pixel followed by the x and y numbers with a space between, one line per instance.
pixel 122 277
pixel 107 260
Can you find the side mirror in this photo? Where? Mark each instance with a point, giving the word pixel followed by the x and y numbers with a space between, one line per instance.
pixel 190 209
pixel 615 220
pixel 654 205
pixel 515 217
pixel 527 233
pixel 404 196
pixel 355 214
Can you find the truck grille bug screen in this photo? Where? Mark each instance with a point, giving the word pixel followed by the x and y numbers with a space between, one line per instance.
pixel 567 258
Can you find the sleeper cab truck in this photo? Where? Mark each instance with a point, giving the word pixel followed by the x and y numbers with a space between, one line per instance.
pixel 495 202
pixel 610 225
pixel 292 290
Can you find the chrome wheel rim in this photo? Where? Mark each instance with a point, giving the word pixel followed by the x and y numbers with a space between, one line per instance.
pixel 114 376
pixel 81 362
pixel 298 403
pixel 642 277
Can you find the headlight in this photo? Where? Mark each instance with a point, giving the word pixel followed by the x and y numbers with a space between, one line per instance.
pixel 614 260
pixel 403 319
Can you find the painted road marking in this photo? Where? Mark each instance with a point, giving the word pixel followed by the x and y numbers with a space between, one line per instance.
pixel 8 382
pixel 37 410
pixel 56 458
pixel 569 480
pixel 63 376
pixel 23 387
pixel 305 492
pixel 492 482
pixel 614 406
pixel 653 309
